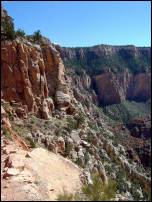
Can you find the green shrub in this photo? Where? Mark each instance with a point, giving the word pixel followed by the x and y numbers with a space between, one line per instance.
pixel 95 192
pixel 80 119
pixel 79 162
pixel 31 142
pixel 29 37
pixel 75 123
pixel 6 133
pixel 134 187
pixel 120 175
pixel 71 124
pixel 65 196
pixel 37 36
pixel 20 33
pixel 99 191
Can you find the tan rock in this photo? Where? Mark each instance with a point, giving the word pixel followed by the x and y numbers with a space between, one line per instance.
pixel 21 113
pixel 62 100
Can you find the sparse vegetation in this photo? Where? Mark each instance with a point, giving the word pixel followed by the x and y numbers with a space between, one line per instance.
pixel 65 196
pixel 146 195
pixel 126 111
pixel 134 190
pixel 20 33
pixel 71 124
pixel 98 191
pixel 37 36
pixel 5 132
pixel 80 119
pixel 95 64
pixel 31 142
pixel 75 123
pixel 120 179
pixel 79 162
pixel 92 192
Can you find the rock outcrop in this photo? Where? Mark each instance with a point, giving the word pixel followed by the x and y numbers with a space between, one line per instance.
pixel 32 75
pixel 140 128
pixel 115 88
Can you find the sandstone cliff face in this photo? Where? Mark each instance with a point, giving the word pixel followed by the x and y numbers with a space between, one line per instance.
pixel 114 88
pixel 117 72
pixel 140 87
pixel 33 75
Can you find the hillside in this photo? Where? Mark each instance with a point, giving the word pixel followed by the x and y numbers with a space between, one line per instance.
pixel 42 174
pixel 115 73
pixel 75 118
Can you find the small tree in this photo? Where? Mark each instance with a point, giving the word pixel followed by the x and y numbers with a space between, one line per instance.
pixel 37 36
pixel 20 32
pixel 80 119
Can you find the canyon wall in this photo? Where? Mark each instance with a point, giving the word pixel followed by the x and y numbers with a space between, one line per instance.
pixel 117 73
pixel 114 88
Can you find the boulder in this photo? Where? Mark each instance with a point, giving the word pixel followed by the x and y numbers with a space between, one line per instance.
pixel 62 100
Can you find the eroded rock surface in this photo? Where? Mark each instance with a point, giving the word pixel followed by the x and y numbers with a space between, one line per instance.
pixel 31 75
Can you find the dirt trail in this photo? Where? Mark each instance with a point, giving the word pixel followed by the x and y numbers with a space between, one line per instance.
pixel 36 175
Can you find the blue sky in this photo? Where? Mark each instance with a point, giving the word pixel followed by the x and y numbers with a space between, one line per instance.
pixel 85 23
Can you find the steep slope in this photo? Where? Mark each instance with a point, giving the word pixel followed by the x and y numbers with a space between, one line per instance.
pixel 117 73
pixel 55 108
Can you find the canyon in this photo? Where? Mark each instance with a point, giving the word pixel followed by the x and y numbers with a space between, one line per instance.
pixel 116 81
pixel 87 106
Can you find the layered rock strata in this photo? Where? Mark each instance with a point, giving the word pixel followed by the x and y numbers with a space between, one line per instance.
pixel 117 73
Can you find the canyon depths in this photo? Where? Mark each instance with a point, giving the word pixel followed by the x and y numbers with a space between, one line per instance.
pixel 92 105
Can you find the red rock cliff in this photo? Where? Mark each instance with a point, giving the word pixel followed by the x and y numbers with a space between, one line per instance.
pixel 34 76
pixel 114 88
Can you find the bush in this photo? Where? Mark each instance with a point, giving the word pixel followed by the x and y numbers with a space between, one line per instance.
pixel 37 36
pixel 79 162
pixel 99 191
pixel 20 32
pixel 80 120
pixel 6 133
pixel 75 123
pixel 95 192
pixel 71 124
pixel 120 179
pixel 31 142
pixel 65 196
